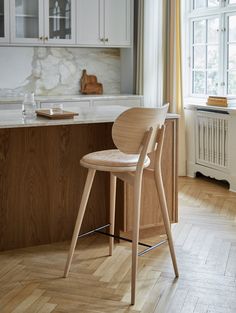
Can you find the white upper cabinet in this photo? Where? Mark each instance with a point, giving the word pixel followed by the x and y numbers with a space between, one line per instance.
pixel 117 30
pixel 27 21
pixel 105 22
pixel 60 21
pixel 43 21
pixel 91 23
pixel 4 21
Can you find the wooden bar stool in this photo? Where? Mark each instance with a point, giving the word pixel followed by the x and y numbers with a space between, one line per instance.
pixel 136 132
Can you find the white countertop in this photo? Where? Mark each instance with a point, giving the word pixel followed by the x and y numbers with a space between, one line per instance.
pixel 89 115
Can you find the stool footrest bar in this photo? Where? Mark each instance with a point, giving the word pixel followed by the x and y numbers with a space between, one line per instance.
pixel 152 247
pixel 121 238
pixel 149 247
pixel 94 231
pixel 98 230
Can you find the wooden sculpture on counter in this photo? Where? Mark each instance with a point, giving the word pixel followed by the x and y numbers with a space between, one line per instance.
pixel 89 84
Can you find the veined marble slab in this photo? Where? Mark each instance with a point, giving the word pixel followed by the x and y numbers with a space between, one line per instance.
pixel 53 71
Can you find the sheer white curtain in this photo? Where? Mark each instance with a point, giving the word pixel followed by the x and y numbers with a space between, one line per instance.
pixel 153 53
pixel 159 68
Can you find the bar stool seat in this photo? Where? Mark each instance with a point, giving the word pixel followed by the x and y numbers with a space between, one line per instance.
pixel 112 160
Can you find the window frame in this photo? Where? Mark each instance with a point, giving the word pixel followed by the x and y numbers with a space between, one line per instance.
pixel 206 44
pixel 226 46
pixel 222 11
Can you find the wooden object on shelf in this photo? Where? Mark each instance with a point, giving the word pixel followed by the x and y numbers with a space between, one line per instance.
pixel 217 101
pixel 54 114
pixel 89 84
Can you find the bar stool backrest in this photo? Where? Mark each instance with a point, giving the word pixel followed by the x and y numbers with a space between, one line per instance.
pixel 130 128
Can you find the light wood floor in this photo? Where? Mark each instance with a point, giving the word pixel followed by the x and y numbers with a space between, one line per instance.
pixel 205 238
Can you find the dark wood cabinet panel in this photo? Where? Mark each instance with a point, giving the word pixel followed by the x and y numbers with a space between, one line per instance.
pixel 41 182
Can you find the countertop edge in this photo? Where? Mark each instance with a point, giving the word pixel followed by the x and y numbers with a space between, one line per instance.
pixel 42 122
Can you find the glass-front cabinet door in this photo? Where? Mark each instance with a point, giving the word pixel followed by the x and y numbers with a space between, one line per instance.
pixel 4 21
pixel 60 21
pixel 27 21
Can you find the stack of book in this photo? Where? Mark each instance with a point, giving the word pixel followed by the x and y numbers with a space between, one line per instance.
pixel 217 101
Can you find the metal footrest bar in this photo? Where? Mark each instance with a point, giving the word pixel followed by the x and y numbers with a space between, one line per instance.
pixel 149 247
pixel 94 231
pixel 152 247
pixel 98 231
pixel 122 238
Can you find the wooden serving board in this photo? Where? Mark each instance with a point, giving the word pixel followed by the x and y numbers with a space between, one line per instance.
pixel 55 115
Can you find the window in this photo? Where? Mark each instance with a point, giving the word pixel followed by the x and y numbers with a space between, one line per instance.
pixel 197 4
pixel 212 47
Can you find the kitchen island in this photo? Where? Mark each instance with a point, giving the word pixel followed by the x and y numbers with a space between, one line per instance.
pixel 41 180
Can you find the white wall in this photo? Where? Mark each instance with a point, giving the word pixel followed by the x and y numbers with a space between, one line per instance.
pixel 56 71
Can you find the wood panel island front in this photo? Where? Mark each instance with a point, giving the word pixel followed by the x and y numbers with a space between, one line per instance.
pixel 41 180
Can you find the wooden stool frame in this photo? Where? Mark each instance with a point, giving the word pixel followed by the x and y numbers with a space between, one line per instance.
pixel 136 131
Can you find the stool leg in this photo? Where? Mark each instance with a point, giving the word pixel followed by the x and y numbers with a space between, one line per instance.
pixel 166 219
pixel 135 235
pixel 112 211
pixel 83 204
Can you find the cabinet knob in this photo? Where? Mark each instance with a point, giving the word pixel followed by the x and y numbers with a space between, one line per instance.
pixel 46 38
pixel 41 38
pixel 102 39
pixel 106 39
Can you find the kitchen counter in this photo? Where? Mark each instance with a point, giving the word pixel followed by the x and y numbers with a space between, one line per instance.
pixel 87 115
pixel 41 180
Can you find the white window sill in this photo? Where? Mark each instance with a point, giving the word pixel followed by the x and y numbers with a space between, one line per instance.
pixel 203 101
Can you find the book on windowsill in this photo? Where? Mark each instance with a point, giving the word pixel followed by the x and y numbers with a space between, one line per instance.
pixel 217 101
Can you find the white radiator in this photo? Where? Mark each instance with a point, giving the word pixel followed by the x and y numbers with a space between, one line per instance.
pixel 212 139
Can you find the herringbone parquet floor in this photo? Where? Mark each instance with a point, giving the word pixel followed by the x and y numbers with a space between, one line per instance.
pixel 205 238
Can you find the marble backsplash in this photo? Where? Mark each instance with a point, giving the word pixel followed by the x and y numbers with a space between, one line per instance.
pixel 56 71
